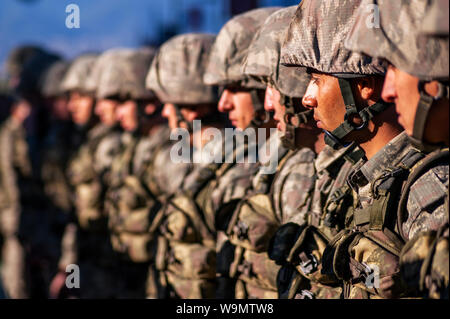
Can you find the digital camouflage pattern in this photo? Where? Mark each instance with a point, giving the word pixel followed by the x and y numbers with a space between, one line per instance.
pixel 374 225
pixel 436 21
pixel 176 74
pixel 32 75
pixel 14 170
pixel 121 73
pixel 51 83
pixel 231 48
pixel 78 74
pixel 88 171
pixel 308 42
pixel 263 59
pixel 405 50
pixel 130 202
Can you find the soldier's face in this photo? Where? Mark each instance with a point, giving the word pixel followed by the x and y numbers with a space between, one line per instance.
pixel 169 113
pixel 272 104
pixel 239 106
pixel 323 95
pixel 401 88
pixel 106 111
pixel 80 106
pixel 127 115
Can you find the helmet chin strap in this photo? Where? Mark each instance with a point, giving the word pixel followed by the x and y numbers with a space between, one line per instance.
pixel 335 138
pixel 424 106
pixel 181 119
pixel 261 115
pixel 293 119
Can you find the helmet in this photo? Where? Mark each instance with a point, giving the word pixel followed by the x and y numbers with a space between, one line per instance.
pixel 51 83
pixel 231 48
pixel 263 62
pixel 176 74
pixel 413 36
pixel 121 73
pixel 33 72
pixel 18 57
pixel 78 73
pixel 315 40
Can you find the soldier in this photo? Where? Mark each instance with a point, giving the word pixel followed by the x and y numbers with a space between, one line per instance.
pixel 242 99
pixel 184 264
pixel 130 202
pixel 15 172
pixel 417 82
pixel 87 244
pixel 345 93
pixel 25 210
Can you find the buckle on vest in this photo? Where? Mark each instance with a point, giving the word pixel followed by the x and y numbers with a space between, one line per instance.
pixel 241 230
pixel 308 263
pixel 305 294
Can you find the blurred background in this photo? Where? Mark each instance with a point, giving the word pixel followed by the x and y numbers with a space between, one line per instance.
pixel 105 24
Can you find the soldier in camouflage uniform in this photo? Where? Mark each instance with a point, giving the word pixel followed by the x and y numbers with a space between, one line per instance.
pixel 184 264
pixel 345 94
pixel 417 82
pixel 130 202
pixel 243 258
pixel 29 252
pixel 14 172
pixel 88 243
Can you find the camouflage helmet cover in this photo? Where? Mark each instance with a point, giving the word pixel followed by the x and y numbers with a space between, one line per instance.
pixel 121 73
pixel 18 57
pixel 399 38
pixel 231 48
pixel 263 59
pixel 78 73
pixel 51 84
pixel 33 72
pixel 176 74
pixel 436 21
pixel 315 40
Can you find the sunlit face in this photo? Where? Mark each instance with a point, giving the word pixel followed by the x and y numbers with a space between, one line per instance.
pixel 21 111
pixel 127 115
pixel 239 106
pixel 323 95
pixel 272 104
pixel 105 109
pixel 401 88
pixel 170 114
pixel 81 107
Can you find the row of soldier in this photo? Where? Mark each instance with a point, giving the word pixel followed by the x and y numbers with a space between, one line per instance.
pixel 357 206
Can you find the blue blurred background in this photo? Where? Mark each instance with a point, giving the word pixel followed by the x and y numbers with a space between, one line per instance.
pixel 106 24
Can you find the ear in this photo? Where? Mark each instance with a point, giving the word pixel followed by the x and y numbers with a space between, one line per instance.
pixel 366 88
pixel 150 109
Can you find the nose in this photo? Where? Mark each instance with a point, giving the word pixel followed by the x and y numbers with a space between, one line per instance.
pixel 389 93
pixel 226 102
pixel 309 99
pixel 119 112
pixel 268 100
pixel 166 111
pixel 98 108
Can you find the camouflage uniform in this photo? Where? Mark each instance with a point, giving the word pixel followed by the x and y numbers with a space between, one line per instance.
pixel 87 171
pixel 130 203
pixel 372 242
pixel 424 259
pixel 15 175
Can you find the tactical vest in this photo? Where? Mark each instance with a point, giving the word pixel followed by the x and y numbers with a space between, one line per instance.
pixel 88 185
pixel 132 205
pixel 250 230
pixel 424 258
pixel 365 256
pixel 186 248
